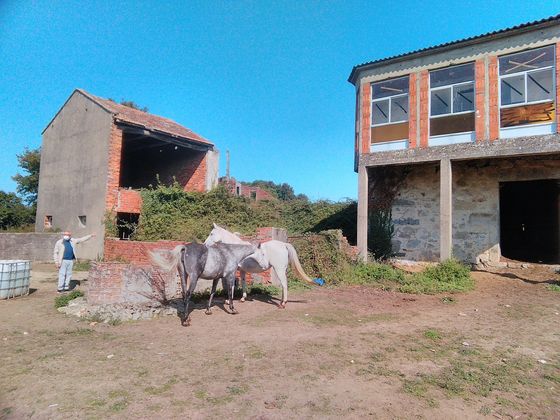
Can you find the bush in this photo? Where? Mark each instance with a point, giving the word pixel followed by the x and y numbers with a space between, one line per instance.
pixel 448 276
pixel 380 233
pixel 63 300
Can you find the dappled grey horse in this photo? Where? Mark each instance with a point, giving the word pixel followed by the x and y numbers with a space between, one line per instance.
pixel 277 254
pixel 194 261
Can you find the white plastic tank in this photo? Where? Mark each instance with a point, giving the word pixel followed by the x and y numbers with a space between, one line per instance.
pixel 14 278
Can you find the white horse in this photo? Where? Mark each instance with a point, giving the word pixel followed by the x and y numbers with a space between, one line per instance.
pixel 278 255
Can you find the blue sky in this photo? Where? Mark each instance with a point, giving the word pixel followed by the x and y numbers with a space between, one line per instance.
pixel 266 80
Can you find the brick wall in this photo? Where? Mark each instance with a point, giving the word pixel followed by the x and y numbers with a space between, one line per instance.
pixel 424 111
pixel 114 170
pixel 366 118
pixel 136 252
pixel 129 201
pixel 413 117
pixel 480 91
pixel 494 111
pixel 193 174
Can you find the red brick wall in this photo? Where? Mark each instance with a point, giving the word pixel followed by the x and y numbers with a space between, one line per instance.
pixel 366 117
pixel 129 201
pixel 194 174
pixel 134 251
pixel 114 169
pixel 558 87
pixel 105 283
pixel 424 111
pixel 494 111
pixel 412 114
pixel 479 88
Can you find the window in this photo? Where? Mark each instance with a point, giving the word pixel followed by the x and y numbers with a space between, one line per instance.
pixel 82 221
pixel 452 100
pixel 389 110
pixel 527 87
pixel 47 223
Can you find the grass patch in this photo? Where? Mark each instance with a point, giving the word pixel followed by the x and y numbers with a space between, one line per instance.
pixel 82 265
pixel 448 299
pixel 157 390
pixel 432 335
pixel 79 331
pixel 255 289
pixel 63 300
pixel 553 287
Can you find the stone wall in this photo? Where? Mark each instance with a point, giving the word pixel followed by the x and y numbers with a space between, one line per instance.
pixel 28 246
pixel 476 217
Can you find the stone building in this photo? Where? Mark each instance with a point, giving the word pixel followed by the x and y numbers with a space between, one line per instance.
pixel 95 156
pixel 242 190
pixel 461 142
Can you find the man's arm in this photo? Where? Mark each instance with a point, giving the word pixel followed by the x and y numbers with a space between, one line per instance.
pixel 83 238
pixel 55 253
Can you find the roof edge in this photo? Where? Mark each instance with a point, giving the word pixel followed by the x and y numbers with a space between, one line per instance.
pixel 208 143
pixel 477 39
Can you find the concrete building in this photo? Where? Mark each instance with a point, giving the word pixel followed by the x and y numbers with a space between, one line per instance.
pixel 461 142
pixel 96 154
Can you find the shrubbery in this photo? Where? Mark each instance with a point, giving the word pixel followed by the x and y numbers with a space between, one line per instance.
pixel 168 212
pixel 63 300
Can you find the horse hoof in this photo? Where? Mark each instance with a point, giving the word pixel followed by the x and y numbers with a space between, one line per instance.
pixel 234 312
pixel 282 305
pixel 208 312
pixel 242 299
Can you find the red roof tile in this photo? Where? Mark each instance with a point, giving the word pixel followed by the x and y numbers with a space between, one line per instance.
pixel 144 119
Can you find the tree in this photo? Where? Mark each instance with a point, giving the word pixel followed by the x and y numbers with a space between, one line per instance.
pixel 132 104
pixel 13 212
pixel 28 184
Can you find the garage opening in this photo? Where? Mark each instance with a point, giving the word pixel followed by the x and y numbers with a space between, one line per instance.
pixel 530 221
pixel 146 161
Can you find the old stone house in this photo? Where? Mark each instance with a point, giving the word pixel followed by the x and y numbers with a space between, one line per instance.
pixel 95 156
pixel 461 142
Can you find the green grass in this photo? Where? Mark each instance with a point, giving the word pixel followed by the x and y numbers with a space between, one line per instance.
pixel 432 335
pixel 447 277
pixel 554 287
pixel 63 300
pixel 255 289
pixel 82 265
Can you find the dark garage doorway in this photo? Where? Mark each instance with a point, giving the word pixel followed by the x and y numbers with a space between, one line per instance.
pixel 529 220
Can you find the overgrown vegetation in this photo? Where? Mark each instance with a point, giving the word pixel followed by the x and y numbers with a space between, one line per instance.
pixel 380 233
pixel 168 212
pixel 63 300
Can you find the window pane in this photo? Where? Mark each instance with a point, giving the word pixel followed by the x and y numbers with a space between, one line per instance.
pixel 539 85
pixel 380 112
pixel 463 98
pixel 528 60
pixel 513 90
pixel 399 109
pixel 389 87
pixel 441 102
pixel 452 75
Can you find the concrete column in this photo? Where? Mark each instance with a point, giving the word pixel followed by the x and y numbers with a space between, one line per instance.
pixel 445 210
pixel 362 212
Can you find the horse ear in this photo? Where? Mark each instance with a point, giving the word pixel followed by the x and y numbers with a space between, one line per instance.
pixel 259 246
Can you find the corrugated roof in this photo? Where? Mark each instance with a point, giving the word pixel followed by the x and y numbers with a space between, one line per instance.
pixel 143 119
pixel 473 39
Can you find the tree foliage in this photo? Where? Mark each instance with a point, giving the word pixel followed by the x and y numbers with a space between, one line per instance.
pixel 13 213
pixel 28 183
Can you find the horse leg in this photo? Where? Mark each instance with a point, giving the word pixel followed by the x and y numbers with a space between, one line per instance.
pixel 284 282
pixel 192 286
pixel 183 276
pixel 214 284
pixel 226 291
pixel 230 281
pixel 243 285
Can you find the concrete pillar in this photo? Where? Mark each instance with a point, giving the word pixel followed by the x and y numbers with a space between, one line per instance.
pixel 445 210
pixel 362 212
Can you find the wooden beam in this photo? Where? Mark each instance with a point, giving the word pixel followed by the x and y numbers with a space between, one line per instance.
pixel 167 139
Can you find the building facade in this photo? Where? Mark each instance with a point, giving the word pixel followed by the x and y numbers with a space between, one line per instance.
pixel 461 143
pixel 95 156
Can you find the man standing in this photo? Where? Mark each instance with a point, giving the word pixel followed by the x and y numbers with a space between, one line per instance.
pixel 64 256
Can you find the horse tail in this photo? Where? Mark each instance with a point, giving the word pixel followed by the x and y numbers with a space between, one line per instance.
pixel 294 261
pixel 169 262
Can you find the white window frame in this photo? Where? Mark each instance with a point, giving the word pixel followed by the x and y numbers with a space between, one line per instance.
pixel 525 77
pixel 390 99
pixel 452 101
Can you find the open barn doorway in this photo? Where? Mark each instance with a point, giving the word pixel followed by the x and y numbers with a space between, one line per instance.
pixel 529 220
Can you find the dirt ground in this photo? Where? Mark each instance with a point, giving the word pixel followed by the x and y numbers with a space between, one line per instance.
pixel 347 352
